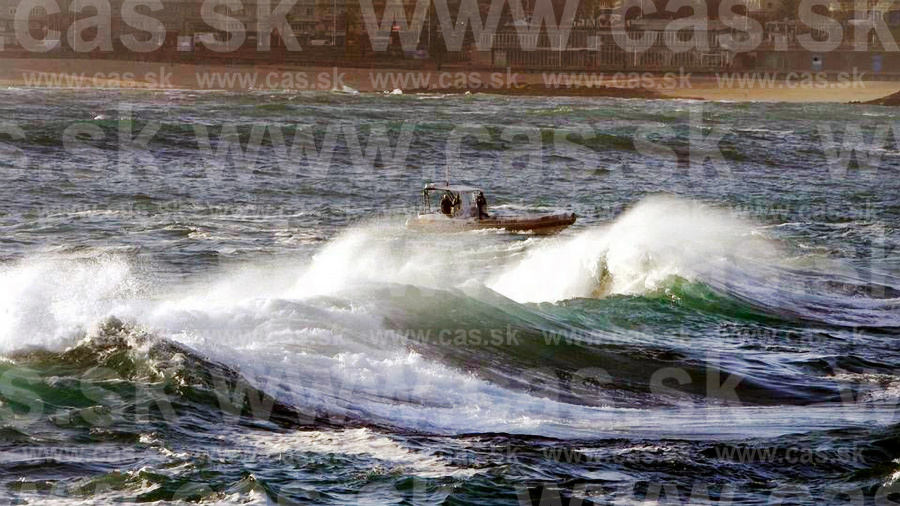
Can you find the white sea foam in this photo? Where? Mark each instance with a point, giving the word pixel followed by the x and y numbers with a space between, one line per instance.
pixel 356 442
pixel 49 301
pixel 657 239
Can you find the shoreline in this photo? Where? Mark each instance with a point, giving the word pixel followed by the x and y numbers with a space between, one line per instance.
pixel 157 76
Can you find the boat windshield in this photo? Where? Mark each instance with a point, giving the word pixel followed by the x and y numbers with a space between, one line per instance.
pixel 466 207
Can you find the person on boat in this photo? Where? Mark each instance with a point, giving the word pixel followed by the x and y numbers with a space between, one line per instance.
pixel 447 204
pixel 457 204
pixel 480 205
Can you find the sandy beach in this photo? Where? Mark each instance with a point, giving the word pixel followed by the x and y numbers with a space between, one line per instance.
pixel 737 86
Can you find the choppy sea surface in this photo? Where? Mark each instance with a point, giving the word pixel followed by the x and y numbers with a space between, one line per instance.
pixel 206 312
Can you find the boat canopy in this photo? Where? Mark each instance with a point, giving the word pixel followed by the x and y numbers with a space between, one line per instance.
pixel 465 207
pixel 450 188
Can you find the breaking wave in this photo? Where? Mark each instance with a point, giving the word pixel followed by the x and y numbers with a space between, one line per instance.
pixel 360 332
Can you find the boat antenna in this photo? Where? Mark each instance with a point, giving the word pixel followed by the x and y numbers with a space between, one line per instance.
pixel 447 175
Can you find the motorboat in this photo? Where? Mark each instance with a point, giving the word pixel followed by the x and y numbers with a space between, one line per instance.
pixel 465 208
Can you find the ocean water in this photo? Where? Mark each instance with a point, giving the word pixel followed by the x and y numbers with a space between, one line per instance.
pixel 207 312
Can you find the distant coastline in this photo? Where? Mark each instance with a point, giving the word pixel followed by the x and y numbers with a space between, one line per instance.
pixel 738 86
pixel 891 100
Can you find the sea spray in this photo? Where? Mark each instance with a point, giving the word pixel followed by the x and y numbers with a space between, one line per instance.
pixel 638 253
